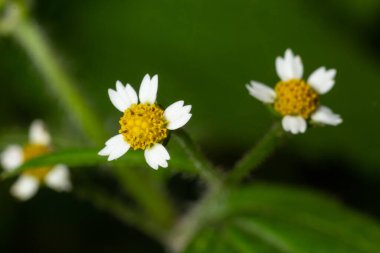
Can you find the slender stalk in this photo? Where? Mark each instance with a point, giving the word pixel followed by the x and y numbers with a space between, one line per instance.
pixel 115 206
pixel 185 229
pixel 31 38
pixel 256 155
pixel 209 206
pixel 201 164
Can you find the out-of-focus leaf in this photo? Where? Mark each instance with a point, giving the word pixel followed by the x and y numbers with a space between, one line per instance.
pixel 266 218
pixel 89 157
pixel 70 157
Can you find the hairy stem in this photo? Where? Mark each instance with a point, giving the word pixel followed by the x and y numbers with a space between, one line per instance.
pixel 256 155
pixel 201 164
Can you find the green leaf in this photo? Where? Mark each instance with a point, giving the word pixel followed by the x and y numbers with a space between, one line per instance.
pixel 267 218
pixel 80 157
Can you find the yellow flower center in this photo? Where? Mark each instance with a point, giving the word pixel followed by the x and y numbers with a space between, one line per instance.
pixel 34 150
pixel 295 97
pixel 143 125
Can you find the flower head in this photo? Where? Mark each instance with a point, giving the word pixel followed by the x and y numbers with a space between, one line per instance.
pixel 144 125
pixel 297 100
pixel 56 177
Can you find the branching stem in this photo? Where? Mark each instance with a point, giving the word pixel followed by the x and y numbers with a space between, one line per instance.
pixel 255 156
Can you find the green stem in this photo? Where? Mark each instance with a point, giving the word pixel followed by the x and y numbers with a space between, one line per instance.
pixel 208 208
pixel 115 206
pixel 212 204
pixel 201 164
pixel 256 155
pixel 31 38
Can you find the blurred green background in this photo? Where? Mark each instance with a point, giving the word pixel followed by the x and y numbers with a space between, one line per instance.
pixel 204 52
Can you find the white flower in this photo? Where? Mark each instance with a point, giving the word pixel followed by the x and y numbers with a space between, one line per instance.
pixel 144 125
pixel 26 186
pixel 295 99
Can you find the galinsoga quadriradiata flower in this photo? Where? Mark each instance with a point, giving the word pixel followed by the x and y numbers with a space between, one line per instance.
pixel 297 100
pixel 144 125
pixel 56 177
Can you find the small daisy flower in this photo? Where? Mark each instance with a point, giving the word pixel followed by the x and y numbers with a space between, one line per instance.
pixel 144 125
pixel 297 100
pixel 26 186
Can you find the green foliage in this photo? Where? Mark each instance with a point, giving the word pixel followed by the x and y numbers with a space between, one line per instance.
pixel 268 218
pixel 79 157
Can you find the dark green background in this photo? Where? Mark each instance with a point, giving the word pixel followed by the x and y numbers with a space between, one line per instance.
pixel 204 52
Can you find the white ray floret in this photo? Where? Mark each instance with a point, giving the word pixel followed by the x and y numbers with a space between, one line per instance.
pixel 115 147
pixel 123 97
pixel 25 187
pixel 59 178
pixel 12 157
pixel 289 67
pixel 157 156
pixel 131 94
pixel 148 89
pixel 262 92
pixel 117 100
pixel 177 115
pixel 324 115
pixel 38 133
pixel 294 124
pixel 322 80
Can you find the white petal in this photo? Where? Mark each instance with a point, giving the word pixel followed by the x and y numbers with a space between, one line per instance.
pixel 119 87
pixel 115 147
pixel 294 124
pixel 157 156
pixel 325 115
pixel 59 178
pixel 131 93
pixel 177 115
pixel 121 92
pixel 262 92
pixel 117 101
pixel 180 122
pixel 25 187
pixel 151 159
pixel 114 139
pixel 280 64
pixel 289 67
pixel 12 157
pixel 174 110
pixel 105 151
pixel 148 89
pixel 322 80
pixel 127 94
pixel 38 133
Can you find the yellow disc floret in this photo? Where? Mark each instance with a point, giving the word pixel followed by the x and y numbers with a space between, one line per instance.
pixel 143 125
pixel 295 97
pixel 34 150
